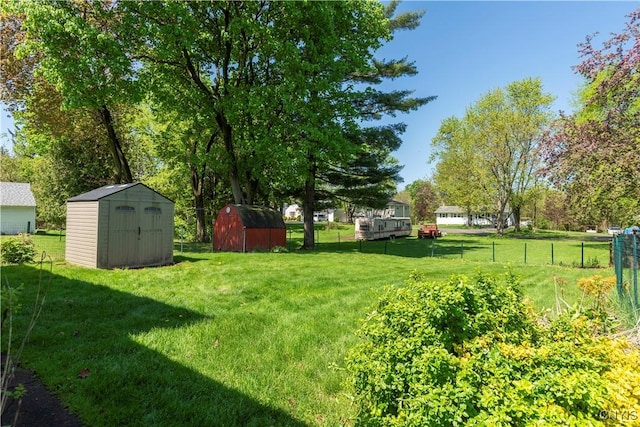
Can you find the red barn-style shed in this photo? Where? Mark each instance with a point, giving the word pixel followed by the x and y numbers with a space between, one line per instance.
pixel 243 228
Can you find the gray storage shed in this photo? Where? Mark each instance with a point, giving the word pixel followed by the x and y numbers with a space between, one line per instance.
pixel 121 225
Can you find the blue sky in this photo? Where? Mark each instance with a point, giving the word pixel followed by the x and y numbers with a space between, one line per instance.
pixel 465 49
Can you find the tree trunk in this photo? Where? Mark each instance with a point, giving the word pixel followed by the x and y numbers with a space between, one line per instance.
pixel 201 222
pixel 308 207
pixel 252 190
pixel 516 218
pixel 307 211
pixel 122 166
pixel 197 186
pixel 234 176
pixel 500 221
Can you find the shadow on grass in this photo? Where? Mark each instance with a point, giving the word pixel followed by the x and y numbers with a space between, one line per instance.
pixel 87 328
pixel 177 259
pixel 555 236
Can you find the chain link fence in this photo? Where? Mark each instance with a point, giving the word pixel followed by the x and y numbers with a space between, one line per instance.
pixel 625 262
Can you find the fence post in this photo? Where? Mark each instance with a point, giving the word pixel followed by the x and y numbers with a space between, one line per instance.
pixel 618 247
pixel 582 255
pixel 493 245
pixel 432 243
pixel 552 254
pixel 461 249
pixel 635 268
pixel 385 247
pixel 525 252
pixel 338 240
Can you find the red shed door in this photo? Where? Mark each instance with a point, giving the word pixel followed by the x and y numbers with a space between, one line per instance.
pixel 228 230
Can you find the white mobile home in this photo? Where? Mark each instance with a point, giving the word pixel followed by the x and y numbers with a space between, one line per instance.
pixel 122 225
pixel 382 228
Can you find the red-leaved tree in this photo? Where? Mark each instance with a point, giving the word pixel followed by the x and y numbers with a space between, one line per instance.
pixel 594 154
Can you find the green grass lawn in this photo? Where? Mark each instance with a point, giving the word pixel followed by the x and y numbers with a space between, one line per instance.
pixel 229 339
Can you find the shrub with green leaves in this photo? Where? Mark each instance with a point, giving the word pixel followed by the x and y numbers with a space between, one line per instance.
pixel 471 352
pixel 17 250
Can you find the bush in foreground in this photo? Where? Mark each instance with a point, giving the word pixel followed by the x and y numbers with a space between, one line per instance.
pixel 470 352
pixel 17 250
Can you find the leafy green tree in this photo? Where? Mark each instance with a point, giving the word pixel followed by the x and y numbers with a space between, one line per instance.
pixel 62 158
pixel 370 176
pixel 460 176
pixel 83 54
pixel 424 200
pixel 258 94
pixel 10 167
pixel 16 74
pixel 555 209
pixel 222 89
pixel 330 40
pixel 366 104
pixel 496 145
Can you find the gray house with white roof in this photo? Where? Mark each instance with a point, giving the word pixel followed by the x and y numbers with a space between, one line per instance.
pixel 17 208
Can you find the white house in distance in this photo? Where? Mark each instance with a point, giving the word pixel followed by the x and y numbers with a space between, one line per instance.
pixel 17 208
pixel 455 215
pixel 451 215
pixel 293 212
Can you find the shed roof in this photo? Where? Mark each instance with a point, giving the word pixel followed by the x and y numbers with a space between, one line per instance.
pixel 16 194
pixel 257 217
pixel 449 209
pixel 104 191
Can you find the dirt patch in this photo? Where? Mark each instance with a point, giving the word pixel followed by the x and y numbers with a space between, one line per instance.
pixel 39 406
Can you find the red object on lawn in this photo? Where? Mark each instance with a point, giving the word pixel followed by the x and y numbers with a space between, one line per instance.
pixel 429 231
pixel 243 228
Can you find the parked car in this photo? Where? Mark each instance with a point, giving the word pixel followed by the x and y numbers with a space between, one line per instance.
pixel 429 231
pixel 614 231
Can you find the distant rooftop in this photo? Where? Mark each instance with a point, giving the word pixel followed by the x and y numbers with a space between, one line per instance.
pixel 16 194
pixel 449 209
